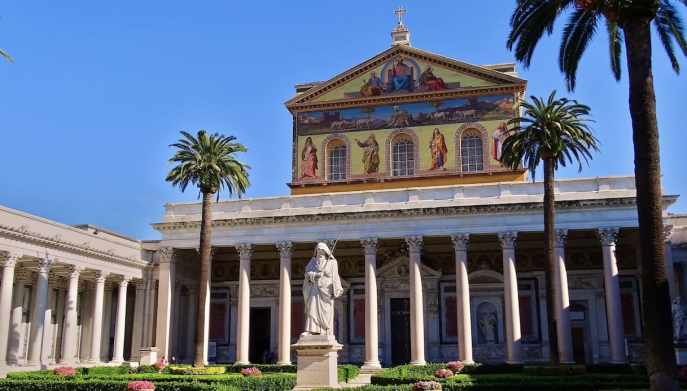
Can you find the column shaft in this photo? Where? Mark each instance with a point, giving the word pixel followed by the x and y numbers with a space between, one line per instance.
pixel 284 327
pixel 15 331
pixel 510 286
pixel 614 314
pixel 371 321
pixel 120 324
pixel 562 304
pixel 97 322
pixel 38 315
pixel 165 290
pixel 460 243
pixel 139 323
pixel 417 317
pixel 69 333
pixel 243 325
pixel 5 306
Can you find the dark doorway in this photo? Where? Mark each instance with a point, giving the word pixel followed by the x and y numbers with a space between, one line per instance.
pixel 400 331
pixel 259 343
pixel 579 353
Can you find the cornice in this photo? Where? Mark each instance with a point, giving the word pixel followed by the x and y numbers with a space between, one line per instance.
pixel 23 234
pixel 444 211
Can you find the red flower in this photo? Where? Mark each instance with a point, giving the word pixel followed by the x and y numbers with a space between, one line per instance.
pixel 140 385
pixel 65 371
pixel 251 372
pixel 455 366
pixel 443 373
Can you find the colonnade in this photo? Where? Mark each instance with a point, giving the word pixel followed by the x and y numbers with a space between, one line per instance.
pixel 507 241
pixel 39 342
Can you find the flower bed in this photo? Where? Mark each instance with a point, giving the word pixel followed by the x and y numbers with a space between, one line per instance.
pixel 189 370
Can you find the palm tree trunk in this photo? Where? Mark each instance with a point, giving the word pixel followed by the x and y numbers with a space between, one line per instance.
pixel 549 238
pixel 204 283
pixel 656 301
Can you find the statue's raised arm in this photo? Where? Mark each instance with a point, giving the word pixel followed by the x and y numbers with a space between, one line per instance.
pixel 321 285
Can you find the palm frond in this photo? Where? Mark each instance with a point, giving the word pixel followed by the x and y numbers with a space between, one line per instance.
pixel 669 27
pixel 615 47
pixel 6 56
pixel 551 127
pixel 208 161
pixel 577 34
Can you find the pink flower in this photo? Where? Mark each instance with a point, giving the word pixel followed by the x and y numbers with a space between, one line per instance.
pixel 161 363
pixel 455 366
pixel 443 373
pixel 251 372
pixel 140 385
pixel 65 371
pixel 426 386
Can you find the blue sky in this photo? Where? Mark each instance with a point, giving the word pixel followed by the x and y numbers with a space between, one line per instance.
pixel 100 89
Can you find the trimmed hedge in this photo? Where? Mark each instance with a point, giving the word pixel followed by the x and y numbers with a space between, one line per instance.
pixel 264 368
pixel 189 370
pixel 347 372
pixel 101 385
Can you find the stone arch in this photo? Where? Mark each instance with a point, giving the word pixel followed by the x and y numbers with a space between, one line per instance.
pixel 416 151
pixel 328 143
pixel 477 129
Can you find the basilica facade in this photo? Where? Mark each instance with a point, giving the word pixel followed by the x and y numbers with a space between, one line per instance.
pixel 440 248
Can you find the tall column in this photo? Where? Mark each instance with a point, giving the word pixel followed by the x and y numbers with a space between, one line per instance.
pixel 139 323
pixel 16 322
pixel 371 321
pixel 118 356
pixel 191 325
pixel 165 290
pixel 417 316
pixel 460 246
pixel 284 327
pixel 243 325
pixel 6 304
pixel 669 265
pixel 510 294
pixel 69 333
pixel 148 309
pixel 97 322
pixel 562 304
pixel 38 315
pixel 616 337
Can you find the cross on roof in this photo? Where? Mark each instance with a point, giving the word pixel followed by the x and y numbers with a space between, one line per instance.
pixel 400 12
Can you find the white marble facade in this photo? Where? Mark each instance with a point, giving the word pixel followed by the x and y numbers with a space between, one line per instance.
pixel 459 283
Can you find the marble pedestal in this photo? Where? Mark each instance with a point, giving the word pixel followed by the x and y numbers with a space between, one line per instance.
pixel 148 356
pixel 317 362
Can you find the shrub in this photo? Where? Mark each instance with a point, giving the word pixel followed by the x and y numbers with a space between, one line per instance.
pixel 426 386
pixel 140 385
pixel 443 373
pixel 105 371
pixel 145 369
pixel 347 372
pixel 265 368
pixel 455 366
pixel 251 372
pixel 161 364
pixel 187 370
pixel 65 372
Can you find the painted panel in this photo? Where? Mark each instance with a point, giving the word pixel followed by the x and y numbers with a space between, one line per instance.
pixel 437 149
pixel 402 75
pixel 470 109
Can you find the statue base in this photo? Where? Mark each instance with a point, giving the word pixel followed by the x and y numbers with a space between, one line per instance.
pixel 317 362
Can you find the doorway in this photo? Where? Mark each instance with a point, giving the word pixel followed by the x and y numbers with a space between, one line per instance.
pixel 578 341
pixel 260 321
pixel 400 330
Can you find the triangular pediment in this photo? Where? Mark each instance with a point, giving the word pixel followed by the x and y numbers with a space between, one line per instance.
pixel 403 71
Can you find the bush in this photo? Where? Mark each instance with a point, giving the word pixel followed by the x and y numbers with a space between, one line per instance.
pixel 265 368
pixel 443 373
pixel 104 385
pixel 251 372
pixel 427 385
pixel 455 366
pixel 64 372
pixel 188 370
pixel 140 385
pixel 106 371
pixel 347 372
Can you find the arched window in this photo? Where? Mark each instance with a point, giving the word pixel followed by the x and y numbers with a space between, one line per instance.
pixel 471 152
pixel 402 156
pixel 336 160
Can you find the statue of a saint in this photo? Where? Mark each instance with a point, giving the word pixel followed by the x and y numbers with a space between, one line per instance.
pixel 320 287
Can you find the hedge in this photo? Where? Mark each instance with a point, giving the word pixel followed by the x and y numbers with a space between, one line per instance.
pixel 347 372
pixel 189 370
pixel 102 385
pixel 264 368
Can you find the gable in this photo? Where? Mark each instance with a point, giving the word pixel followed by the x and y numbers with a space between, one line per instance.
pixel 402 70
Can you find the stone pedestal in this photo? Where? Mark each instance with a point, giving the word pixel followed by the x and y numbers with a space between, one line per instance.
pixel 317 362
pixel 149 356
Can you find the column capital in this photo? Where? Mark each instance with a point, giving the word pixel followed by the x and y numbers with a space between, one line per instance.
pixel 75 271
pixel 124 281
pixel 245 250
pixel 561 237
pixel 165 254
pixel 45 263
pixel 508 239
pixel 667 232
pixel 460 241
pixel 369 245
pixel 11 259
pixel 608 235
pixel 100 277
pixel 414 243
pixel 285 248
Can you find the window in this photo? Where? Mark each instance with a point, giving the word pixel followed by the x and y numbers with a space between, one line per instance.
pixel 471 153
pixel 402 157
pixel 337 162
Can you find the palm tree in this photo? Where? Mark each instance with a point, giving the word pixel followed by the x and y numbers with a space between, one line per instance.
pixel 555 132
pixel 628 22
pixel 6 55
pixel 207 161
